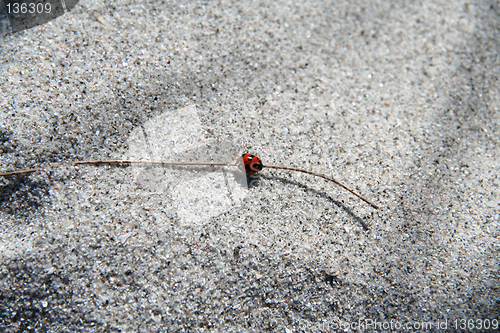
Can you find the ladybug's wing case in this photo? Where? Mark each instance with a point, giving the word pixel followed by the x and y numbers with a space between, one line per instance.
pixel 257 164
pixel 250 164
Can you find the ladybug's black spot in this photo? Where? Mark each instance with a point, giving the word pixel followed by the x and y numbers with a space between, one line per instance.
pixel 257 166
pixel 250 158
pixel 247 167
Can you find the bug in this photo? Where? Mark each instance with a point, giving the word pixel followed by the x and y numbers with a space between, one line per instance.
pixel 248 163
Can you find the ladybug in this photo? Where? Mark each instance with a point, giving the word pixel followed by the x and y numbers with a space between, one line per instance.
pixel 250 164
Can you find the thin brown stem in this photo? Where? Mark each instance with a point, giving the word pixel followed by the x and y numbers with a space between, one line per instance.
pixel 325 177
pixel 163 163
pixel 112 162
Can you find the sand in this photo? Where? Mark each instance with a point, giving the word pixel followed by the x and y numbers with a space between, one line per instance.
pixel 397 99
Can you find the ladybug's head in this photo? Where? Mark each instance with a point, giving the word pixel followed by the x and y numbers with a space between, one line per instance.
pixel 250 164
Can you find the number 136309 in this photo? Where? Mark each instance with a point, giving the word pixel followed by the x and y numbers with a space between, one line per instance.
pixel 474 324
pixel 31 8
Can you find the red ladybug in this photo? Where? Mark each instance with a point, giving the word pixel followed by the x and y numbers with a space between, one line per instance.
pixel 250 164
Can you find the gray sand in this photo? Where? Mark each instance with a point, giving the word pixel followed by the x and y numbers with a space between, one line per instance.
pixel 397 99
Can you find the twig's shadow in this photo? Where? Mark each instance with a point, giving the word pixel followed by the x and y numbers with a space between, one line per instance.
pixel 323 195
